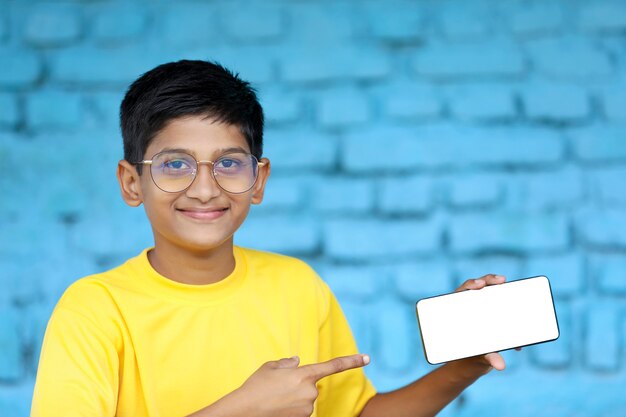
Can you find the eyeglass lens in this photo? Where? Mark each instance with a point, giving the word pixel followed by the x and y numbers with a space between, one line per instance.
pixel 175 171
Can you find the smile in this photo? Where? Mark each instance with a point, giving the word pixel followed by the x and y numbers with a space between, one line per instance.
pixel 203 214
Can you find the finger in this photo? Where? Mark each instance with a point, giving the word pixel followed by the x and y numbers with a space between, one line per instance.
pixel 492 279
pixel 477 284
pixel 496 361
pixel 472 284
pixel 321 370
pixel 286 362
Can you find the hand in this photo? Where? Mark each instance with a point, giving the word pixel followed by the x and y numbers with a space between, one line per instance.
pixel 491 360
pixel 281 388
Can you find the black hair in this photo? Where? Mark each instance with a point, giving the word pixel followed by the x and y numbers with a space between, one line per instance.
pixel 188 88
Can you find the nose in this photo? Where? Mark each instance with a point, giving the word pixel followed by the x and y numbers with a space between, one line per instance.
pixel 204 187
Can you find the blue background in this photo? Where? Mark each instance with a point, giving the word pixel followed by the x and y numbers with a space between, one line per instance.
pixel 415 144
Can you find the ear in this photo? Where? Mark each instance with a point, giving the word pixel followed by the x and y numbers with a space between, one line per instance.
pixel 259 187
pixel 130 185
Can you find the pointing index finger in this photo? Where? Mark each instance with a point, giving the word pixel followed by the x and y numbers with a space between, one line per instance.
pixel 321 370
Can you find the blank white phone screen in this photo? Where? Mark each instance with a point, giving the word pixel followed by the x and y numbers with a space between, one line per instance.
pixel 497 317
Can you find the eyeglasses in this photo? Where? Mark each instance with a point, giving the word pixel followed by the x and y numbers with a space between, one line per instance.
pixel 174 171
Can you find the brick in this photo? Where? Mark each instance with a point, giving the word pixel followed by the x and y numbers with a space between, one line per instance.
pixel 483 103
pixel 545 191
pixel 12 273
pixel 569 57
pixel 602 227
pixel 356 283
pixel 402 23
pixel 366 63
pixel 292 235
pixel 556 103
pixel 499 59
pixel 338 195
pixel 440 146
pixel 508 232
pixel 106 107
pixel 312 23
pixel 120 231
pixel 33 326
pixel 615 103
pixel 324 63
pixel 10 345
pixel 15 400
pixel 21 230
pixel 60 199
pixel 608 187
pixel 536 19
pixel 253 64
pixel 13 182
pixel 4 28
pixel 300 150
pixel 607 272
pixel 406 195
pixel 10 115
pixel 254 23
pixel 474 190
pixel 415 280
pixel 408 102
pixel 599 143
pixel 188 25
pixel 396 326
pixel 69 158
pixel 341 109
pixel 53 25
pixel 118 23
pixel 311 64
pixel 559 353
pixel 280 107
pixel 63 267
pixel 87 65
pixel 604 16
pixel 348 239
pixel 603 343
pixel 20 68
pixel 465 21
pixel 565 272
pixel 283 194
pixel 476 267
pixel 361 151
pixel 54 109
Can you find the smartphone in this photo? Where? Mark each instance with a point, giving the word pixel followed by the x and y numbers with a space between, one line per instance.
pixel 494 318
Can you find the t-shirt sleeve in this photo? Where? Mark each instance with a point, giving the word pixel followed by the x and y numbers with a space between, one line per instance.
pixel 78 368
pixel 346 393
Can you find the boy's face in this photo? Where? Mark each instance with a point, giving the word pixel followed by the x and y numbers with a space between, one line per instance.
pixel 203 217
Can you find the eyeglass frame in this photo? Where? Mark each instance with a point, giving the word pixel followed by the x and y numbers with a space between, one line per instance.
pixel 202 162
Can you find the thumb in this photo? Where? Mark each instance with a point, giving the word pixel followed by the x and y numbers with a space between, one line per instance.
pixel 292 362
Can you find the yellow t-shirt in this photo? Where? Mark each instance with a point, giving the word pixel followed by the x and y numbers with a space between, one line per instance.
pixel 130 342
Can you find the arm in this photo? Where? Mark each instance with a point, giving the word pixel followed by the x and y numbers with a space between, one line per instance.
pixel 431 393
pixel 280 389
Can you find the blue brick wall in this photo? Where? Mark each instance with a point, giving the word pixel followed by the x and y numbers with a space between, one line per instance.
pixel 414 145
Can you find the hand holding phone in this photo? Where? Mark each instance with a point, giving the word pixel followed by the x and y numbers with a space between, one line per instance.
pixel 498 317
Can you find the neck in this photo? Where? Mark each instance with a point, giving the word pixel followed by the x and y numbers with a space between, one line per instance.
pixel 193 267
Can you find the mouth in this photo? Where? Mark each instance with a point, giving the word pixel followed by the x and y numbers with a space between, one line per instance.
pixel 203 213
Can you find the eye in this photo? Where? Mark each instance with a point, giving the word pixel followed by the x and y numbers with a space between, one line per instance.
pixel 228 164
pixel 176 164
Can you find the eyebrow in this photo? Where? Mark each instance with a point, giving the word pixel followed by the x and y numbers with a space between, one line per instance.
pixel 219 152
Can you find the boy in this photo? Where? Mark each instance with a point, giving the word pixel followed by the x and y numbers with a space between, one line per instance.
pixel 195 325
